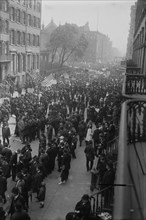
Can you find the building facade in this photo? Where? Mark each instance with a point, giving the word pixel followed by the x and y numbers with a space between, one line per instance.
pixel 4 39
pixel 24 37
pixel 139 50
pixel 131 33
pixel 100 49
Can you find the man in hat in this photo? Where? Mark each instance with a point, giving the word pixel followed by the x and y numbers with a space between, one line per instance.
pixel 3 186
pixel 83 207
pixel 15 198
pixel 6 133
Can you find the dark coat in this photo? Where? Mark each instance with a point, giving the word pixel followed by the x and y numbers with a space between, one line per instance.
pixel 2 214
pixel 3 184
pixel 16 199
pixel 22 215
pixel 7 153
pixel 42 193
pixel 89 151
pixel 6 131
pixel 84 209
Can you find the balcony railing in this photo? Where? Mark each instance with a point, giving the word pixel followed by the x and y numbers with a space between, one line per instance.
pixel 133 70
pixel 112 149
pixel 134 85
pixel 129 199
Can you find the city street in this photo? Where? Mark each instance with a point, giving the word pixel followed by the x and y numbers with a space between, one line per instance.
pixel 60 199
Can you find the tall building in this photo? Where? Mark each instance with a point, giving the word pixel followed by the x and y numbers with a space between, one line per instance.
pixel 4 39
pixel 99 46
pixel 139 50
pixel 131 33
pixel 24 45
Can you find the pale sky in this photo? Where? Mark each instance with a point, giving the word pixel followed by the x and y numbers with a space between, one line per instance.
pixel 109 17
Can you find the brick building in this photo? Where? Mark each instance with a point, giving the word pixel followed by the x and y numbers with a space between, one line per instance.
pixel 131 33
pixel 20 38
pixel 139 50
pixel 4 39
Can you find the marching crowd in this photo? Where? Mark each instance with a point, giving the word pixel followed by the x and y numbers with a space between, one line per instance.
pixel 57 121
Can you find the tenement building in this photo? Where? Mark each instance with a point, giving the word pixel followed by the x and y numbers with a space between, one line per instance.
pixel 131 33
pixel 139 50
pixel 24 29
pixel 4 39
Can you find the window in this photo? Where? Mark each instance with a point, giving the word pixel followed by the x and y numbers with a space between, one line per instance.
pixel 33 39
pixel 12 37
pixel 37 61
pixel 28 39
pixel 38 24
pixel 23 38
pixel 29 3
pixel 5 5
pixel 34 4
pixel 13 63
pixel 7 48
pixel 35 21
pixel 19 62
pixel 23 62
pixel 7 27
pixel 38 40
pixel 18 37
pixel 32 21
pixel 38 6
pixel 33 62
pixel 28 62
pixel 23 17
pixel 12 14
pixel 29 20
pixel 1 29
pixel 18 16
pixel 0 47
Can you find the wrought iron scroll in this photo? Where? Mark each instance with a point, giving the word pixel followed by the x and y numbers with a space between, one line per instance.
pixel 136 121
pixel 135 84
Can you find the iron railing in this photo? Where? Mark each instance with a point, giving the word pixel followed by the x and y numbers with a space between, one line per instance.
pixel 102 201
pixel 133 70
pixel 112 149
pixel 134 84
pixel 129 201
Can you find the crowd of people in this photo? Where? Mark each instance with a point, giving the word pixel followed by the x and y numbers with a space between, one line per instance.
pixel 58 120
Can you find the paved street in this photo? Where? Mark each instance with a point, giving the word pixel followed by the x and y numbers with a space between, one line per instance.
pixel 60 199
